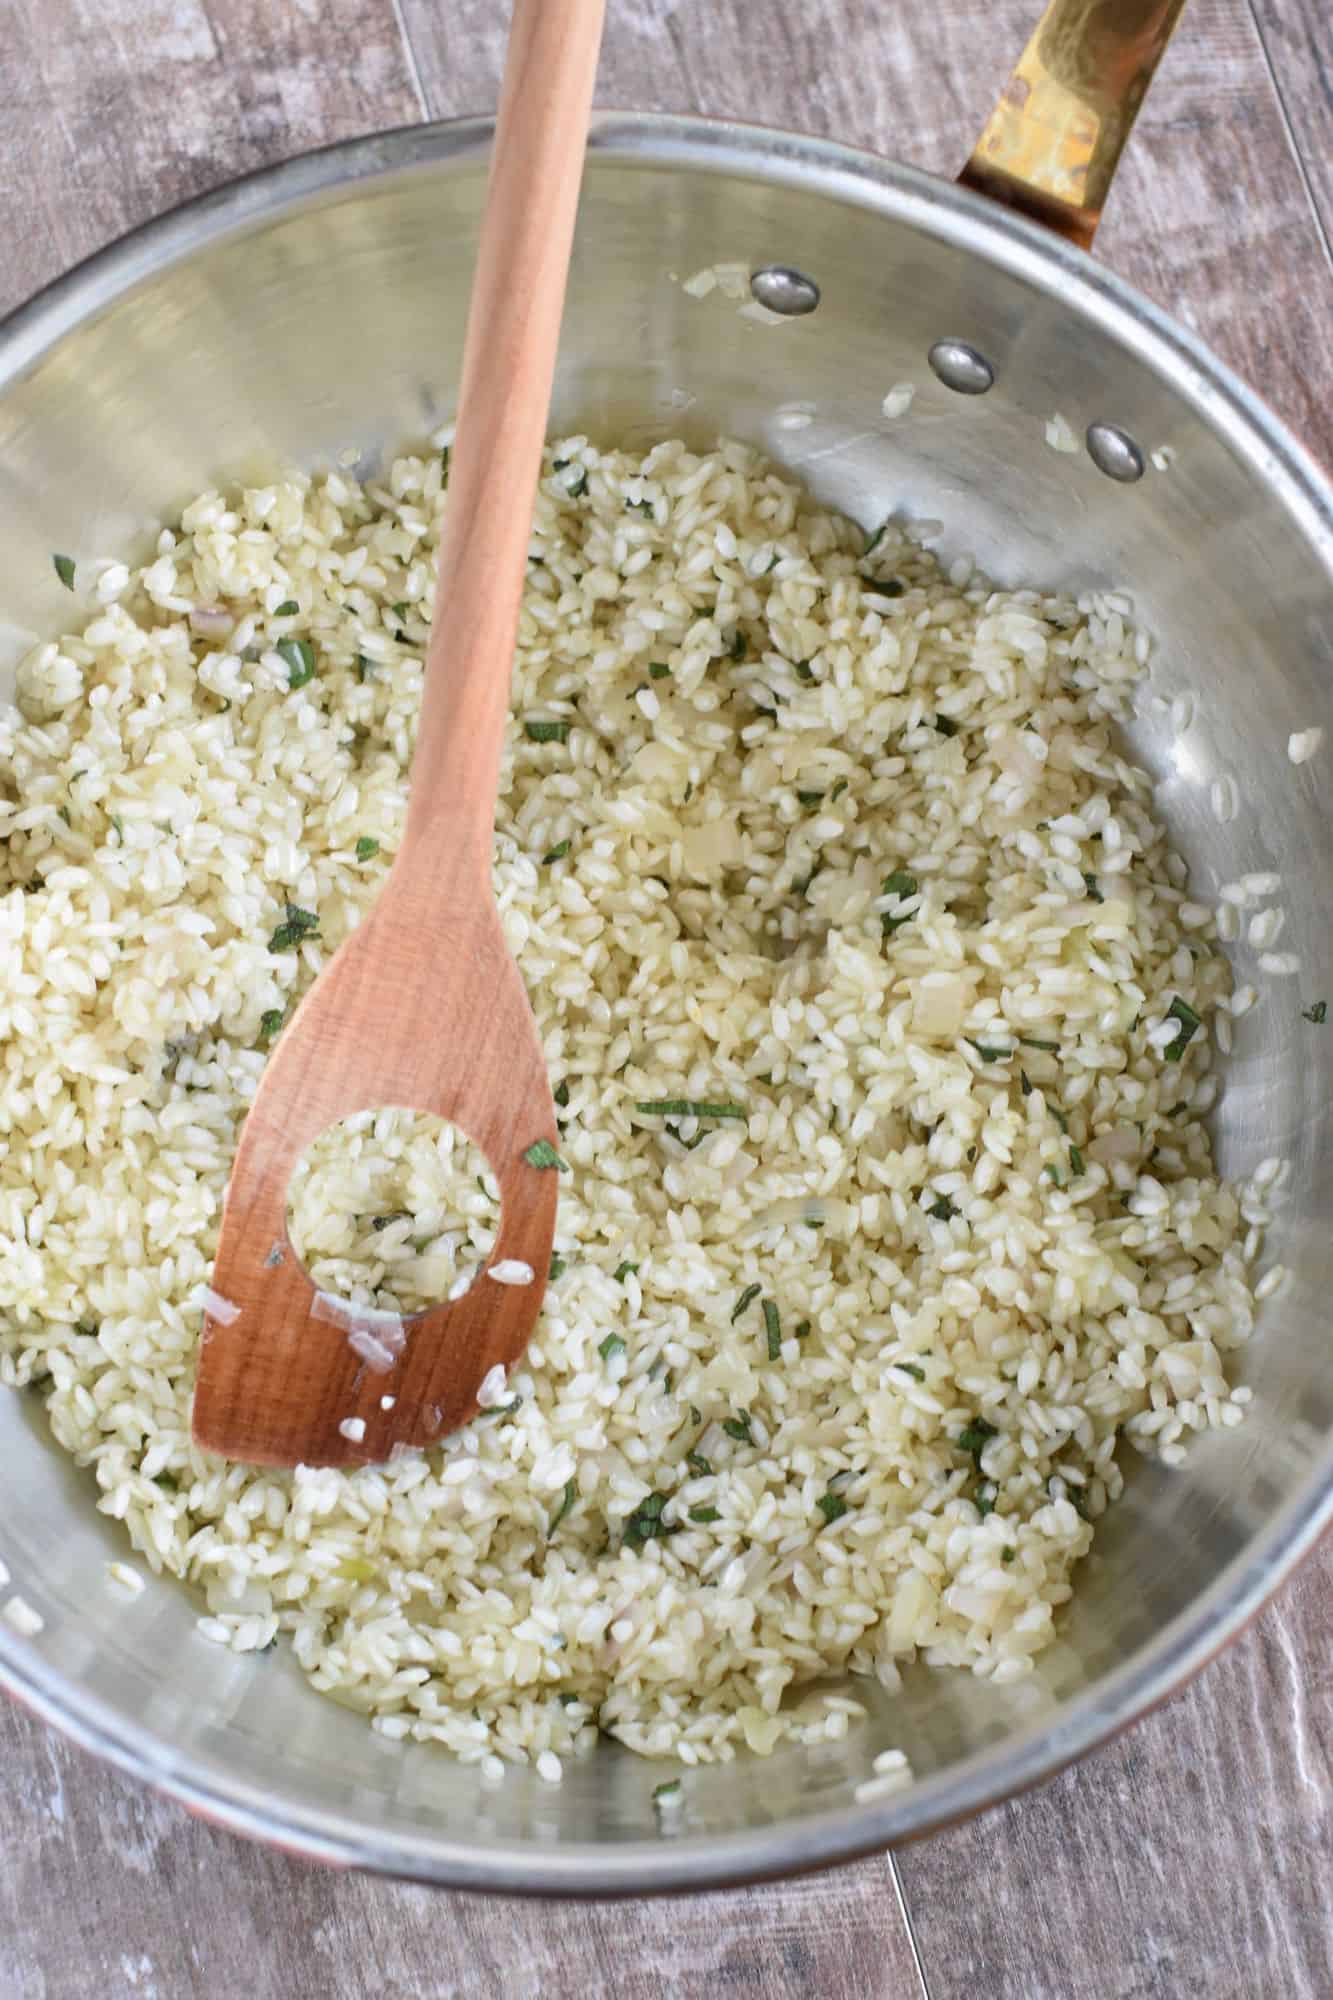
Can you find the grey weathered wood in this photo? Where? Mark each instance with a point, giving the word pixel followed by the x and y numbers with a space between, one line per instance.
pixel 1192 1857
pixel 1297 36
pixel 1189 1860
pixel 116 109
pixel 107 1891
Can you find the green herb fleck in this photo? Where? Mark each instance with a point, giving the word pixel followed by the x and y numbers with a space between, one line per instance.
pixel 62 812
pixel 562 1095
pixel 270 1022
pixel 1076 1161
pixel 942 1209
pixel 910 1368
pixel 364 668
pixel 739 1427
pixel 838 790
pixel 1007 1555
pixel 803 670
pixel 1052 1173
pixel 739 646
pixel 810 798
pixel 888 587
pixel 287 609
pixel 366 846
pixel 566 1502
pixel 546 732
pixel 705 1514
pixel 832 1506
pixel 557 1270
pixel 623 1271
pixel 297 925
pixel 873 541
pixel 697 1463
pixel 1090 883
pixel 611 1347
pixel 645 1524
pixel 1031 1042
pixel 984 1500
pixel 687 1107
pixel 772 1330
pixel 946 725
pixel 64 569
pixel 987 1052
pixel 1317 1014
pixel 1026 1082
pixel 541 1153
pixel 747 1298
pixel 1190 1023
pixel 167 1481
pixel 579 486
pixel 658 670
pixel 557 853
pixel 802 1328
pixel 900 884
pixel 667 1789
pixel 976 1437
pixel 299 655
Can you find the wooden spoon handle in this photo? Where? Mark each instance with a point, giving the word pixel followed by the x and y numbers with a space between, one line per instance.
pixel 504 399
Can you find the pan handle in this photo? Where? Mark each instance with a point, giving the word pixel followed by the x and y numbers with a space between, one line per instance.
pixel 1052 143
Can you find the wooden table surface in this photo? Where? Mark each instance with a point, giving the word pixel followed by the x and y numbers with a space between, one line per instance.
pixel 1193 1856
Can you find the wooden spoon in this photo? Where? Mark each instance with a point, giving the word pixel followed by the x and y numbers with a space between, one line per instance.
pixel 423 1006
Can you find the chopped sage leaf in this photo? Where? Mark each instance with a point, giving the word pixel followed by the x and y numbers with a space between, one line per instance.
pixel 947 726
pixel 910 1368
pixel 832 1506
pixel 270 1021
pixel 976 1437
pixel 1190 1023
pixel 739 1427
pixel 1090 883
pixel 1032 1042
pixel 772 1330
pixel 942 1209
pixel 287 609
pixel 645 1524
pixel 297 925
pixel 987 1052
pixel 546 732
pixel 64 569
pixel 697 1462
pixel 561 1095
pixel 658 670
pixel 566 1502
pixel 705 1514
pixel 1076 1161
pixel 803 670
pixel 1317 1014
pixel 366 846
pixel 611 1346
pixel 557 853
pixel 888 587
pixel 687 1107
pixel 747 1298
pixel 623 1271
pixel 299 655
pixel 667 1789
pixel 541 1153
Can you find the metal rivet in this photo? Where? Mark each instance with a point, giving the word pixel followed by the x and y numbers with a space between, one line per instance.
pixel 784 291
pixel 1115 453
pixel 961 367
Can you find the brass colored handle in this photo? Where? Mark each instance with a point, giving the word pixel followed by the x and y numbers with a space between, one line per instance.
pixel 1053 141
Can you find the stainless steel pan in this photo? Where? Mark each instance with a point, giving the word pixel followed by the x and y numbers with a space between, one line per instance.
pixel 322 304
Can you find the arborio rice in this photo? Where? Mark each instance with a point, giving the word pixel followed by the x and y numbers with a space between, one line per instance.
pixel 791 827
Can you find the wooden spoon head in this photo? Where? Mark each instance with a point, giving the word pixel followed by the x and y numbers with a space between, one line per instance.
pixel 416 1010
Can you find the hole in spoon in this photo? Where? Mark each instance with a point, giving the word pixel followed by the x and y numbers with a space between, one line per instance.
pixel 393 1211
